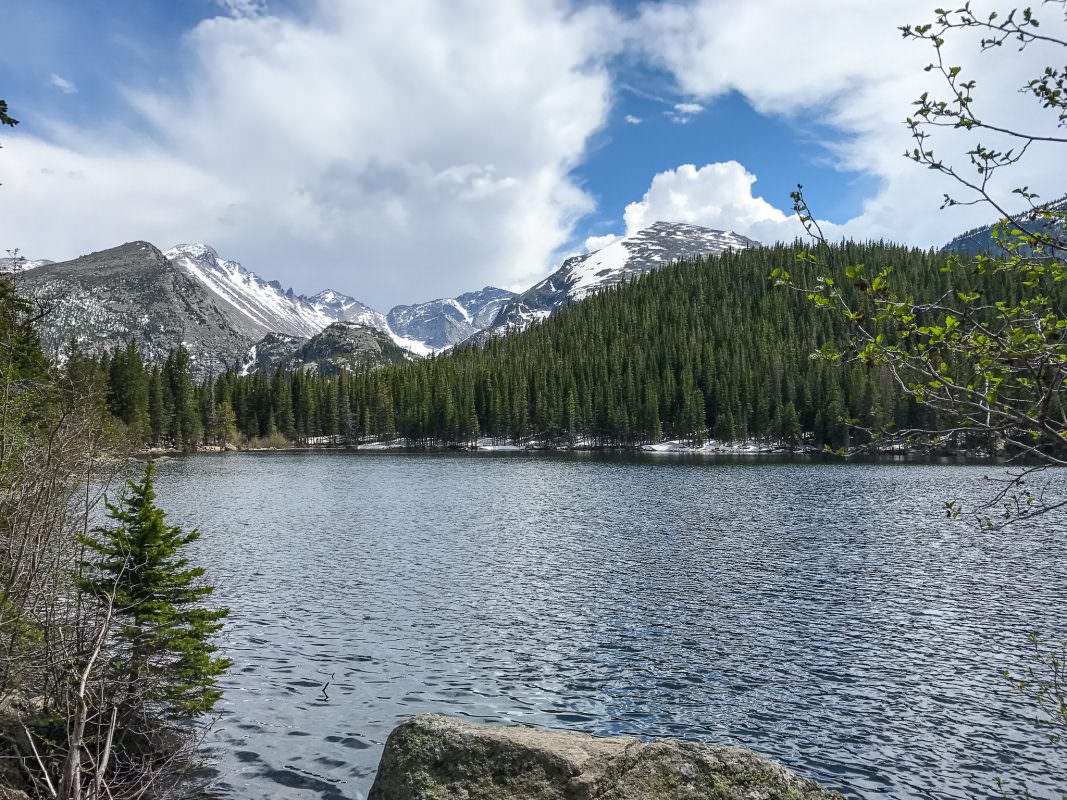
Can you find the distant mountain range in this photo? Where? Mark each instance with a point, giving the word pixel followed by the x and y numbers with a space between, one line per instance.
pixel 443 323
pixel 230 317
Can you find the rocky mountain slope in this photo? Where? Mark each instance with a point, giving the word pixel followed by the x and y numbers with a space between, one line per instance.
pixel 448 321
pixel 346 345
pixel 253 305
pixel 272 351
pixel 341 308
pixel 133 291
pixel 980 240
pixel 657 246
pixel 259 306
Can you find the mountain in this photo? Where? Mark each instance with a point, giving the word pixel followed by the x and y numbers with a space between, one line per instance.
pixel 223 313
pixel 12 265
pixel 254 306
pixel 228 315
pixel 657 246
pixel 980 240
pixel 347 346
pixel 441 323
pixel 258 307
pixel 708 349
pixel 133 291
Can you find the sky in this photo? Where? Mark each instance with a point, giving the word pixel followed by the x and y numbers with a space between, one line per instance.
pixel 416 149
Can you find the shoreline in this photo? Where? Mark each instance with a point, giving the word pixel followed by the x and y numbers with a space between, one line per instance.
pixel 668 448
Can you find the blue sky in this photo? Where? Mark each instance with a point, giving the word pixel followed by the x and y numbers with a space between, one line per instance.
pixel 781 152
pixel 401 151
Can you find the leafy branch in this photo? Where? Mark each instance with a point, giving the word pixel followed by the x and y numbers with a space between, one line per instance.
pixel 992 362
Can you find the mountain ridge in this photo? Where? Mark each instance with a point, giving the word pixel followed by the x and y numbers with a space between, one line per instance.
pixel 131 292
pixel 230 317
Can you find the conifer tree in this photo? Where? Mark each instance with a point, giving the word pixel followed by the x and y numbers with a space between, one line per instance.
pixel 158 598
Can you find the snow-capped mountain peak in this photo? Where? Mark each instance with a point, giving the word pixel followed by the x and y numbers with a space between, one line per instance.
pixel 660 244
pixel 258 307
pixel 342 308
pixel 253 304
pixel 656 246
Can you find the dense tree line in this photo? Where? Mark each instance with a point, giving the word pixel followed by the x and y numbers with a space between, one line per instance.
pixel 708 348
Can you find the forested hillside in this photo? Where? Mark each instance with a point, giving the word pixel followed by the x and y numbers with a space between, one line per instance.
pixel 703 349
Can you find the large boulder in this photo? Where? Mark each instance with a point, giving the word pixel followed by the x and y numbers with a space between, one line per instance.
pixel 443 758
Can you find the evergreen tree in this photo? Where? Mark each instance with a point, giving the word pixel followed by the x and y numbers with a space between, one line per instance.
pixel 159 602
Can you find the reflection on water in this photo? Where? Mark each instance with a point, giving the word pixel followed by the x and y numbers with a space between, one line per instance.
pixel 823 614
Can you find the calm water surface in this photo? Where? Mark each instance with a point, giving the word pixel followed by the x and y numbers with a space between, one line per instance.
pixel 823 614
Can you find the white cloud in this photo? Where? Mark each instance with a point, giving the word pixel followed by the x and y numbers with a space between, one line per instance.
pixel 860 80
pixel 716 196
pixel 632 120
pixel 365 147
pixel 593 243
pixel 683 112
pixel 61 83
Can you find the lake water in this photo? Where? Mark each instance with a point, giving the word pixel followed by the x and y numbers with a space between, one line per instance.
pixel 824 614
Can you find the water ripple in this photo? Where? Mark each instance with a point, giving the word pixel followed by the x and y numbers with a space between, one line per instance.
pixel 823 614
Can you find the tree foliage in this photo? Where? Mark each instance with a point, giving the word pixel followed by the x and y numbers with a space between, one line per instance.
pixel 158 596
pixel 987 355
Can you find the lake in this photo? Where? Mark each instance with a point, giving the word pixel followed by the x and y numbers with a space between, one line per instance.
pixel 824 614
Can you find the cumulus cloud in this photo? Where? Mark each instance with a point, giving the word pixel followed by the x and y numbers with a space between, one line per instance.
pixel 632 120
pixel 61 83
pixel 716 196
pixel 860 84
pixel 363 146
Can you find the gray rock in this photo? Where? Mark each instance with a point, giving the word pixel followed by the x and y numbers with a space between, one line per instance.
pixel 443 758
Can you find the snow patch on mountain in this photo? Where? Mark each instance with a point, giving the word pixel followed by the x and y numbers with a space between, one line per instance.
pixel 259 307
pixel 442 323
